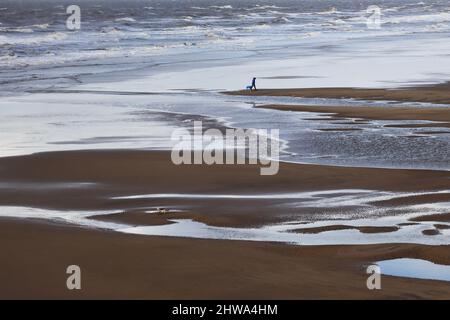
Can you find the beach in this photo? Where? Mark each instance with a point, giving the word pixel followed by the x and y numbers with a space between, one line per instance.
pixel 120 179
pixel 120 266
pixel 308 232
pixel 436 93
pixel 90 121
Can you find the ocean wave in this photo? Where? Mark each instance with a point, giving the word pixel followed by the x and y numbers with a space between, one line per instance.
pixel 55 58
pixel 331 10
pixel 256 27
pixel 116 34
pixel 391 9
pixel 183 30
pixel 302 36
pixel 222 7
pixel 42 26
pixel 25 29
pixel 312 34
pixel 212 35
pixel 111 30
pixel 51 37
pixel 192 30
pixel 264 16
pixel 434 17
pixel 264 7
pixel 16 29
pixel 125 19
pixel 280 20
pixel 269 13
pixel 438 27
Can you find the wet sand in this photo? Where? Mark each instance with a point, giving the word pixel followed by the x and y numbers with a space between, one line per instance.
pixel 339 129
pixel 369 229
pixel 415 199
pixel 439 93
pixel 441 115
pixel 35 256
pixel 433 132
pixel 420 125
pixel 431 232
pixel 432 94
pixel 102 180
pixel 35 253
pixel 433 217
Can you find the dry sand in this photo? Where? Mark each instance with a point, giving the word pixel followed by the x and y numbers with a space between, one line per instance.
pixel 434 93
pixel 35 256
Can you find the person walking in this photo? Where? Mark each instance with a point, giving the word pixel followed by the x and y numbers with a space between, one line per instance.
pixel 253 85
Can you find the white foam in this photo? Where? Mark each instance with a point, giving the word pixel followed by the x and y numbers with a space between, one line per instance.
pixel 125 19
pixel 34 39
pixel 222 7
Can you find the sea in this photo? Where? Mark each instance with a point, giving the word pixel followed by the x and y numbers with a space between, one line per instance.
pixel 135 70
